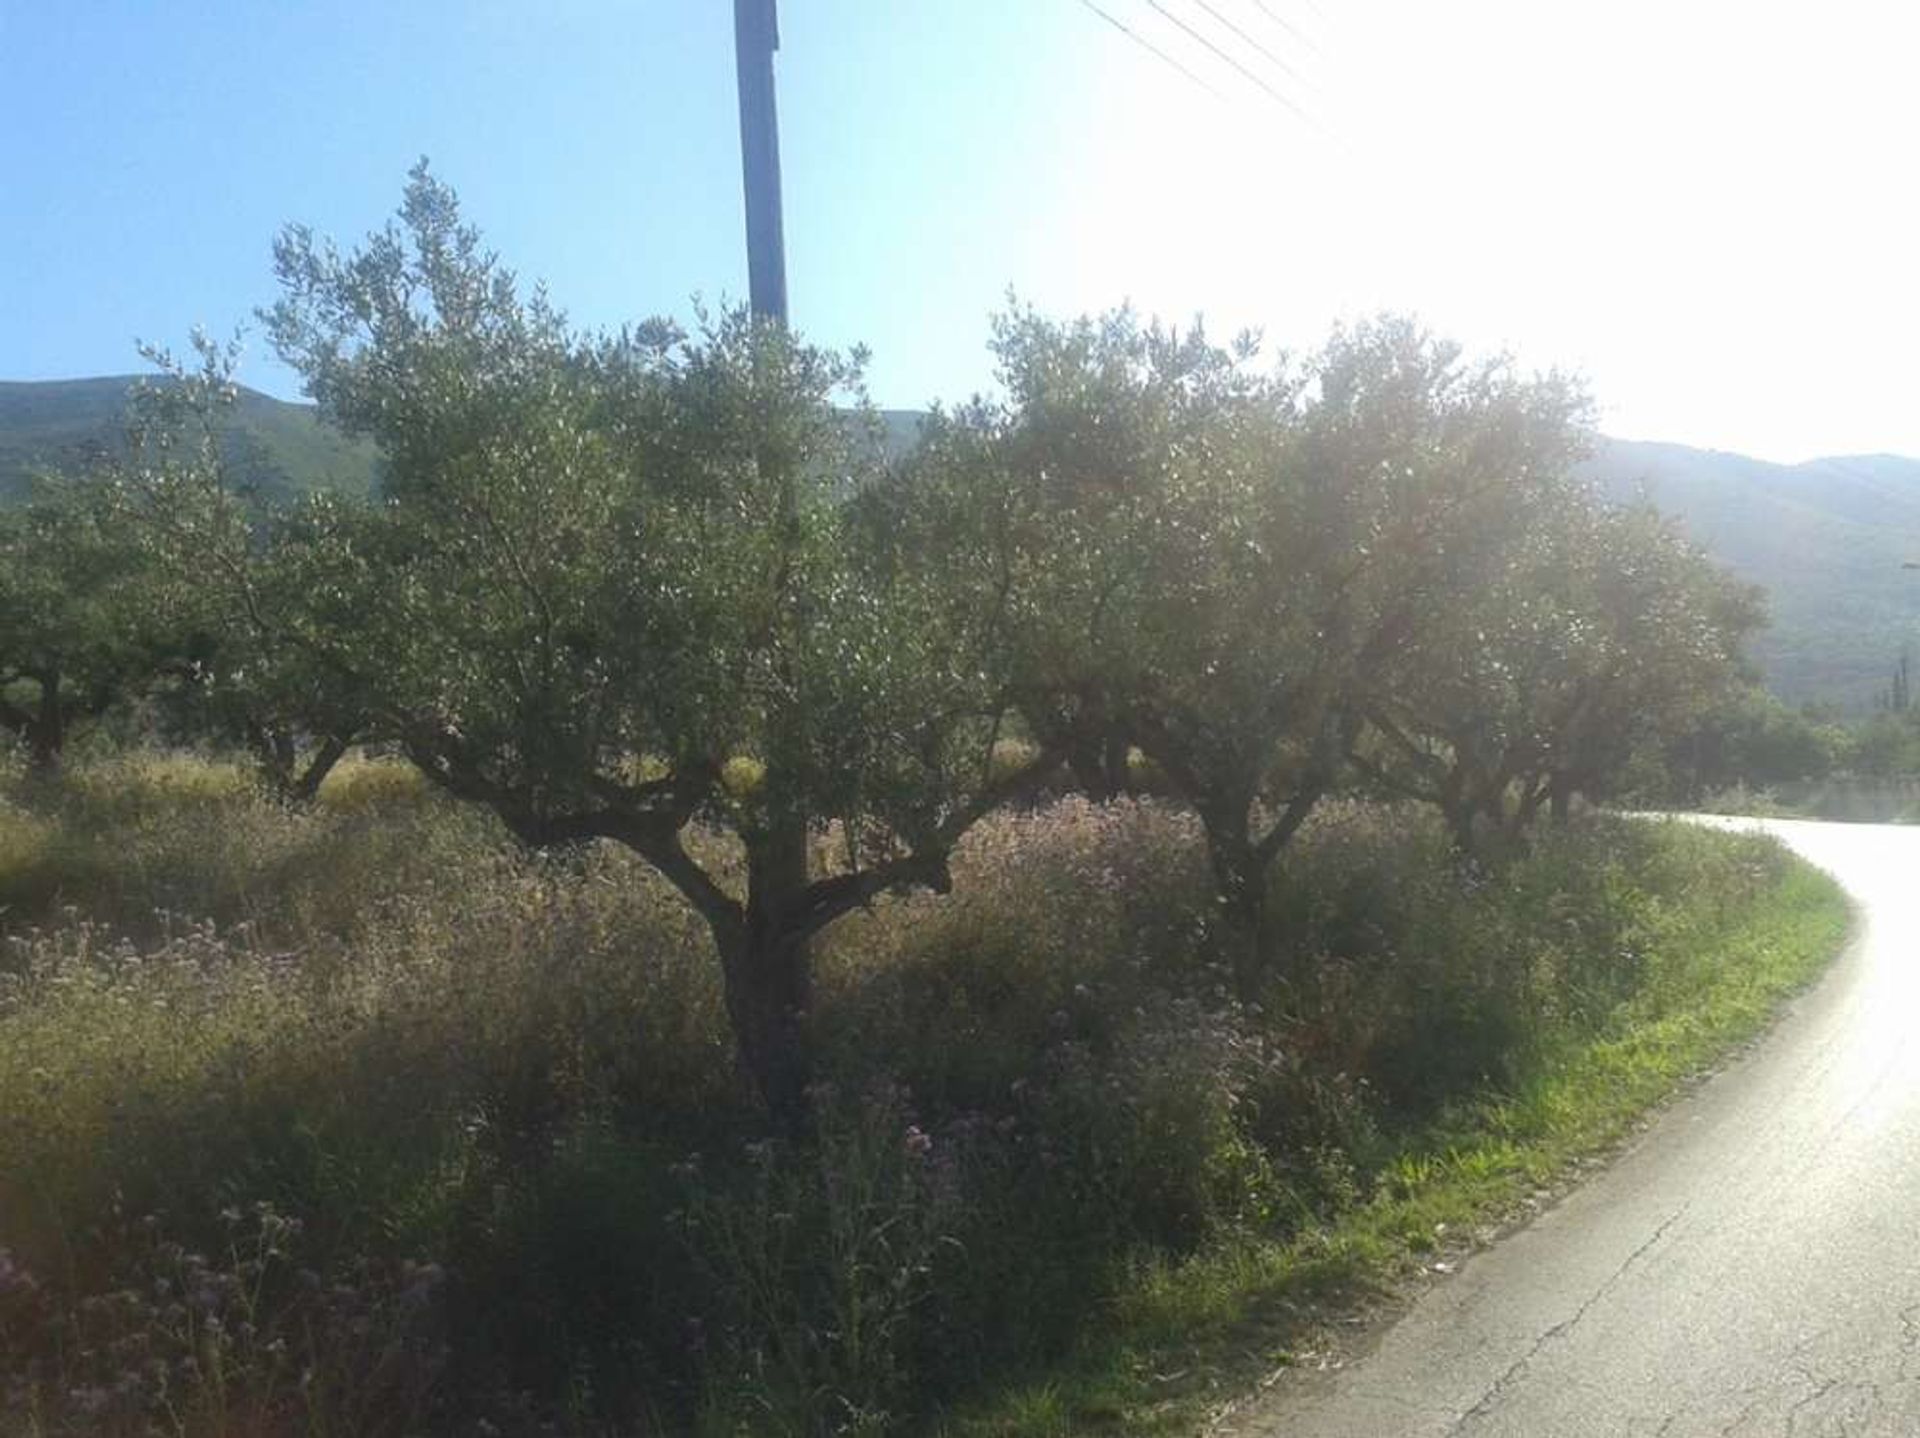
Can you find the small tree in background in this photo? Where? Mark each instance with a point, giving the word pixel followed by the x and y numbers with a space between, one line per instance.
pixel 1750 738
pixel 76 615
pixel 1605 635
pixel 1897 698
pixel 1654 645
pixel 240 589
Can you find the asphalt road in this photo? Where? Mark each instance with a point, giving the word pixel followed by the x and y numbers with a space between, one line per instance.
pixel 1750 1266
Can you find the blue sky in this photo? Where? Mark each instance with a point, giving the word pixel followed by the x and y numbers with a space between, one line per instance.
pixel 596 144
pixel 1703 206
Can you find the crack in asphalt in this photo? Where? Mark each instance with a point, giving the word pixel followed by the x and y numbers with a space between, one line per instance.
pixel 1740 1418
pixel 1491 1398
pixel 1821 1388
pixel 1910 1324
pixel 1909 1354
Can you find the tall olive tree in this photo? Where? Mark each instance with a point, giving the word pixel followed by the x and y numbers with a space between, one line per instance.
pixel 1220 564
pixel 615 593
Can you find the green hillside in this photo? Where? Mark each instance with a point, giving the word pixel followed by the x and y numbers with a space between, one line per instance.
pixel 902 428
pixel 1827 539
pixel 280 448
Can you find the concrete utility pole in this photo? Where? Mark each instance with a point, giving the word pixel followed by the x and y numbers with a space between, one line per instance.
pixel 756 35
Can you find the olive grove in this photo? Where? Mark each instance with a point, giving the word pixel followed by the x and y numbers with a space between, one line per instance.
pixel 671 591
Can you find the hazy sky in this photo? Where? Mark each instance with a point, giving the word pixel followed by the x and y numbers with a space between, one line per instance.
pixel 1708 208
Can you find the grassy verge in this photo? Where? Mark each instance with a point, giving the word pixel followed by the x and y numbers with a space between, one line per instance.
pixel 1189 1340
pixel 359 1120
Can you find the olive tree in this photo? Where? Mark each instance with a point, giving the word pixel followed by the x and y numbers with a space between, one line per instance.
pixel 76 631
pixel 236 586
pixel 1470 714
pixel 1658 646
pixel 1220 564
pixel 614 592
pixel 1604 633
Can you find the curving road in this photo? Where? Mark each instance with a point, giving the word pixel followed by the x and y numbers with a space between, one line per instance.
pixel 1750 1266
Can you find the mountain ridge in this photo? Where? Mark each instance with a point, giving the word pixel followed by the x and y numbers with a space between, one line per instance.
pixel 280 447
pixel 1826 537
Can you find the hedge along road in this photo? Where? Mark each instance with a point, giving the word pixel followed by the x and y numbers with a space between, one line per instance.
pixel 1751 1265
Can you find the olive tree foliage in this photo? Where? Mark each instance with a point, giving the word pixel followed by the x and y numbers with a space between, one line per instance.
pixel 1750 738
pixel 1073 525
pixel 614 593
pixel 1472 710
pixel 154 575
pixel 1224 565
pixel 1602 634
pixel 237 588
pixel 76 631
pixel 1657 646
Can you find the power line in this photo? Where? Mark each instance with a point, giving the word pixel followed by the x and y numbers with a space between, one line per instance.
pixel 1282 64
pixel 1286 24
pixel 1152 48
pixel 1231 61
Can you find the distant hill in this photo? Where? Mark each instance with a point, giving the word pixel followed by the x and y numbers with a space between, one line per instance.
pixel 282 449
pixel 1826 539
pixel 902 428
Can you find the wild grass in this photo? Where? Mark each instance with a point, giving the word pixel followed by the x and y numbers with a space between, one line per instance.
pixel 359 1120
pixel 1706 940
